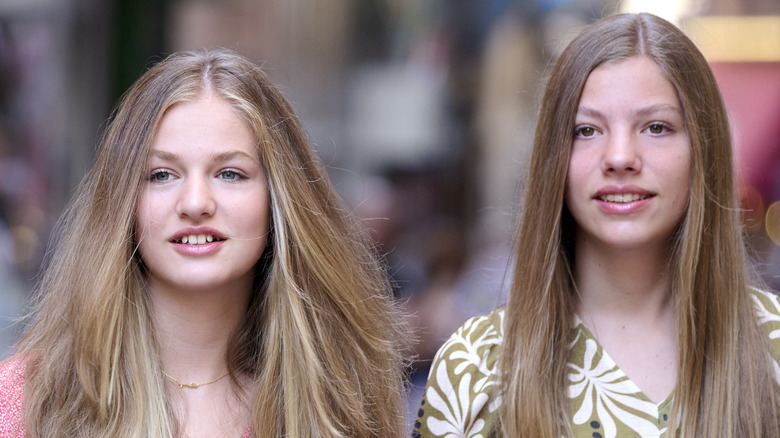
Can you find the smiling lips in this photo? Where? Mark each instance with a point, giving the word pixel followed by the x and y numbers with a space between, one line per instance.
pixel 623 198
pixel 623 203
pixel 196 239
pixel 197 242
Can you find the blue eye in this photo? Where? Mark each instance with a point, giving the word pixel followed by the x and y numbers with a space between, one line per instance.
pixel 160 176
pixel 231 175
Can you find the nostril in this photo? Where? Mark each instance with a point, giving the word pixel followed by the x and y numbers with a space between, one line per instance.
pixel 196 200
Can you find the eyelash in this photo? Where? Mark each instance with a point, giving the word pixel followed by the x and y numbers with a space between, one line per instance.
pixel 578 131
pixel 153 175
pixel 664 127
pixel 239 176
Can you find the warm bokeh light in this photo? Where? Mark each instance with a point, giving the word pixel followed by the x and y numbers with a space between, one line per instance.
pixel 736 38
pixel 752 205
pixel 672 10
pixel 772 222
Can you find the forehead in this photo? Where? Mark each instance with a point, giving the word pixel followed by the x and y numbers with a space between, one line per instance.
pixel 206 101
pixel 209 123
pixel 627 82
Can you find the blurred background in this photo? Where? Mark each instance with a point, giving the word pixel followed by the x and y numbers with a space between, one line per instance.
pixel 422 110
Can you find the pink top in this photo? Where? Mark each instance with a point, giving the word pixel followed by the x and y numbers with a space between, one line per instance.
pixel 12 396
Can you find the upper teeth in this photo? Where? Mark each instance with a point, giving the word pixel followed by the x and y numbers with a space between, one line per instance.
pixel 623 198
pixel 197 239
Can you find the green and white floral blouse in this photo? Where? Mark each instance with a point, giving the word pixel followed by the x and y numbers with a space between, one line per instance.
pixel 605 403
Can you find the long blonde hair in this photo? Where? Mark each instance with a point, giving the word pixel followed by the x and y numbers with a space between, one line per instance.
pixel 322 338
pixel 725 385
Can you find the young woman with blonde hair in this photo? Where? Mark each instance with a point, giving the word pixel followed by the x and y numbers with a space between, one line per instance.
pixel 207 280
pixel 632 312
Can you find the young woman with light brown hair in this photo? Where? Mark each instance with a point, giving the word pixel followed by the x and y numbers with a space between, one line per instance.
pixel 632 311
pixel 207 280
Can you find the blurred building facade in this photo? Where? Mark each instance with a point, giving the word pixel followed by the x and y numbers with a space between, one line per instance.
pixel 423 111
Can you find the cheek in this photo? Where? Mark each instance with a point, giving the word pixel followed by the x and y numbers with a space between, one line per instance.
pixel 581 165
pixel 256 229
pixel 141 223
pixel 261 213
pixel 260 224
pixel 246 215
pixel 575 181
pixel 683 194
pixel 682 179
pixel 146 222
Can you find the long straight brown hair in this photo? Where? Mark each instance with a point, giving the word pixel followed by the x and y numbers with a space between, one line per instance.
pixel 322 339
pixel 726 383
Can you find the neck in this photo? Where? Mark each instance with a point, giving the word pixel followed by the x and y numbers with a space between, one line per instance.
pixel 193 329
pixel 630 285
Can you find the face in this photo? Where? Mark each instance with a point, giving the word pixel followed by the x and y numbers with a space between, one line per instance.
pixel 628 180
pixel 202 215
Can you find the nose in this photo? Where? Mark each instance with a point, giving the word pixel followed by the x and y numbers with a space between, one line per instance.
pixel 621 154
pixel 196 199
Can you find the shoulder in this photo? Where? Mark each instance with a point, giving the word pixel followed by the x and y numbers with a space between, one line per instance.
pixel 460 396
pixel 11 396
pixel 768 304
pixel 482 330
pixel 473 347
pixel 768 313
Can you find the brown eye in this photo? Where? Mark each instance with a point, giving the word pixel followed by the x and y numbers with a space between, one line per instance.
pixel 656 128
pixel 585 131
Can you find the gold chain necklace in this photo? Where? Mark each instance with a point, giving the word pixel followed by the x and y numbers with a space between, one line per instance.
pixel 194 385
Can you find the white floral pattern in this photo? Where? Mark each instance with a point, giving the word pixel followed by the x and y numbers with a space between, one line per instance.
pixel 768 310
pixel 606 393
pixel 459 411
pixel 465 373
pixel 462 396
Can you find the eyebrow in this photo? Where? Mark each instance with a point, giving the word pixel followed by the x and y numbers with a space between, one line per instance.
pixel 641 112
pixel 219 158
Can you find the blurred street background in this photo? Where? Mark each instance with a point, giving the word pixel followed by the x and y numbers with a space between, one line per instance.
pixel 422 110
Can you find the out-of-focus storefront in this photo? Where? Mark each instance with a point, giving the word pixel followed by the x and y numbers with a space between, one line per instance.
pixel 741 40
pixel 744 52
pixel 423 112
